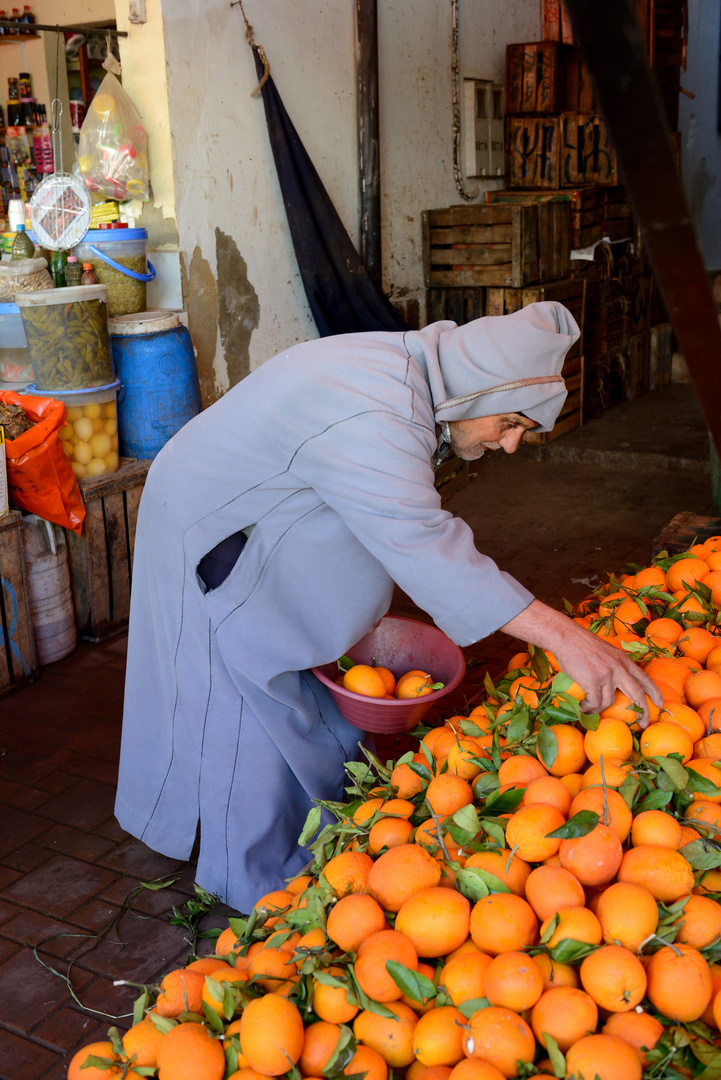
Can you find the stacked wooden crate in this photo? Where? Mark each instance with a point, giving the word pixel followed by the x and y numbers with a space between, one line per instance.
pixel 494 260
pixel 101 558
pixel 555 136
pixel 628 360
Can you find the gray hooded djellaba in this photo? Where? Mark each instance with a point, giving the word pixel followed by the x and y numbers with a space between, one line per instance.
pixel 323 458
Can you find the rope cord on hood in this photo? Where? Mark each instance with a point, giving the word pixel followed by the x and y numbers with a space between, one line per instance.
pixel 535 381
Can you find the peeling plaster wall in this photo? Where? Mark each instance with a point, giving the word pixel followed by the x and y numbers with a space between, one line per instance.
pixel 230 217
pixel 229 210
pixel 700 140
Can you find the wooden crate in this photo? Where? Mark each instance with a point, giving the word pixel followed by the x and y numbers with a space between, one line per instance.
pixel 571 293
pixel 617 218
pixel 101 559
pixel 17 647
pixel 555 22
pixel 604 383
pixel 606 313
pixel 639 357
pixel 586 153
pixel 587 208
pixel 661 356
pixel 533 78
pixel 640 297
pixel 576 88
pixel 533 151
pixel 571 414
pixel 683 531
pixel 459 305
pixel 451 476
pixel 465 246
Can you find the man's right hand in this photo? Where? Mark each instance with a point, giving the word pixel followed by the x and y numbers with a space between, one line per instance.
pixel 598 667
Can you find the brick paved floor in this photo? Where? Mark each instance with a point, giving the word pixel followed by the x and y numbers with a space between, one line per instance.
pixel 68 874
pixel 70 879
pixel 71 901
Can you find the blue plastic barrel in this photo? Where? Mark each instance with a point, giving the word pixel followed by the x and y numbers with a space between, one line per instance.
pixel 154 359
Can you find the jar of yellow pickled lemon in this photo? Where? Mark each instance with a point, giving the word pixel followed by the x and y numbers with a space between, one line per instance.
pixel 90 434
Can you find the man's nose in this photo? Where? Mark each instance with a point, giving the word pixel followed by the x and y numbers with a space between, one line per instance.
pixel 510 440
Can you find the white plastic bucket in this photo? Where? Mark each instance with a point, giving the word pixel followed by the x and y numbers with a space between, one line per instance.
pixel 47 575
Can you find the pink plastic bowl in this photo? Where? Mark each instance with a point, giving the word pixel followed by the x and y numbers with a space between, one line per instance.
pixel 400 645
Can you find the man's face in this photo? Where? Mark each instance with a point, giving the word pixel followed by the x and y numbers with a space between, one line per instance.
pixel 471 438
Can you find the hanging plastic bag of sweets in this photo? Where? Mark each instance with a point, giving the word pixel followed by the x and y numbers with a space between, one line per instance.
pixel 112 153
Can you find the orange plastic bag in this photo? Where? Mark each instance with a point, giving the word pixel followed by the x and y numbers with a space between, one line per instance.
pixel 40 476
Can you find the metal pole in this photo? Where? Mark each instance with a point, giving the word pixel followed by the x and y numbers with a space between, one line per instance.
pixel 368 137
pixel 613 48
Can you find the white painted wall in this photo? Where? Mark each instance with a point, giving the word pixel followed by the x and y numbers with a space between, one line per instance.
pixel 701 142
pixel 224 173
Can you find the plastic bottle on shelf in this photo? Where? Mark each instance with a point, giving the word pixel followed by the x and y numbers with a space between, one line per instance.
pixel 3 29
pixel 23 247
pixel 28 20
pixel 58 262
pixel 73 271
pixel 16 213
pixel 88 277
pixel 15 17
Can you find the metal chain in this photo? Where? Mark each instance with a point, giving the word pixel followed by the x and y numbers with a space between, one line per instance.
pixel 457 175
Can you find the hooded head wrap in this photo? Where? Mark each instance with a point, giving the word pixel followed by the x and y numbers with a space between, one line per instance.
pixel 507 363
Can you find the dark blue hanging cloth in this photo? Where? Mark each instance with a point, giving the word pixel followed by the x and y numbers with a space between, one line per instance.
pixel 341 294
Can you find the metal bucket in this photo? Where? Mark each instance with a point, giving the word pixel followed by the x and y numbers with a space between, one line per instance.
pixel 47 574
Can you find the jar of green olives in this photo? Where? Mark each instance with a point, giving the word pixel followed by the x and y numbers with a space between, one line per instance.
pixel 68 338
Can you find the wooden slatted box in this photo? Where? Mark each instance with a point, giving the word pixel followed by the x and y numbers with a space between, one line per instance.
pixel 533 151
pixel 587 208
pixel 452 475
pixel 101 559
pixel 571 293
pixel 617 219
pixel 465 246
pixel 683 531
pixel 460 305
pixel 586 153
pixel 17 647
pixel 572 412
pixel 640 299
pixel 639 364
pixel 533 78
pixel 661 356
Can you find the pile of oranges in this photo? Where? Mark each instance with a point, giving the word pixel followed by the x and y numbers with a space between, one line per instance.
pixel 534 890
pixel 380 682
